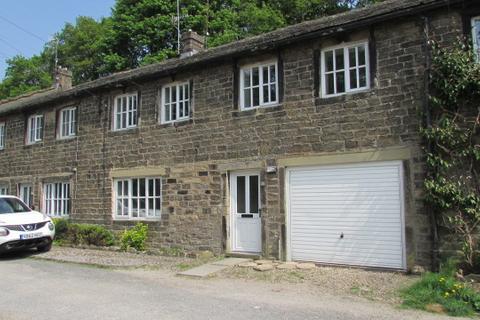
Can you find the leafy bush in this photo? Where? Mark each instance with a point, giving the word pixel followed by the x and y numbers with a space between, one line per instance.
pixel 61 227
pixel 82 234
pixel 453 156
pixel 458 298
pixel 90 234
pixel 135 237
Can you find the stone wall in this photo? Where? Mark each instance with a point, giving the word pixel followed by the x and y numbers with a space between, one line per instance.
pixel 196 156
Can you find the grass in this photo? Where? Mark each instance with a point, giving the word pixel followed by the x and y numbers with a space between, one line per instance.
pixel 456 298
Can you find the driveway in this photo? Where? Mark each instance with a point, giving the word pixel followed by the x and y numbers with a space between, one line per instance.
pixel 37 289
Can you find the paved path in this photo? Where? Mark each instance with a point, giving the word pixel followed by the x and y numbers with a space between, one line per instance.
pixel 37 289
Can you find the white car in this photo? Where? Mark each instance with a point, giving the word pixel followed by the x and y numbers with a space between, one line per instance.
pixel 22 228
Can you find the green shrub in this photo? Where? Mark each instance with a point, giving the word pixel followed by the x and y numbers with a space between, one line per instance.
pixel 61 227
pixel 82 234
pixel 458 298
pixel 90 234
pixel 135 237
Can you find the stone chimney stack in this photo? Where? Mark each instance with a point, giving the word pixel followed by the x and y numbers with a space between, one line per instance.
pixel 192 43
pixel 63 78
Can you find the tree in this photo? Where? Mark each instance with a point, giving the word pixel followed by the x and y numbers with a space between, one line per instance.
pixel 24 75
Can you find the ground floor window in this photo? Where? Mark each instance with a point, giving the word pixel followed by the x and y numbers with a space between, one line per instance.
pixel 138 198
pixel 56 199
pixel 3 190
pixel 25 193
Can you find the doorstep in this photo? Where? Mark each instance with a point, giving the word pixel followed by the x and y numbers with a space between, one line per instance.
pixel 209 269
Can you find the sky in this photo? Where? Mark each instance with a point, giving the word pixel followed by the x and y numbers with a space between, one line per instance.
pixel 41 19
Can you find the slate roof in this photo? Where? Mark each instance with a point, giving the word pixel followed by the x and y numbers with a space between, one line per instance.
pixel 321 27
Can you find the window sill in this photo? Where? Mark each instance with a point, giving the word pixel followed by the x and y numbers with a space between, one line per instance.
pixel 258 110
pixel 117 219
pixel 363 94
pixel 175 124
pixel 123 131
pixel 31 145
pixel 66 138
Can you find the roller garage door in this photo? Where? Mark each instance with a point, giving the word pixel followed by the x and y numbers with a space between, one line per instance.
pixel 347 214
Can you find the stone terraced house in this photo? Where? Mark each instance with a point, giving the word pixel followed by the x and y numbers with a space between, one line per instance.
pixel 299 144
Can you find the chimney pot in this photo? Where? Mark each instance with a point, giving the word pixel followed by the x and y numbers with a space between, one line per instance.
pixel 63 78
pixel 192 43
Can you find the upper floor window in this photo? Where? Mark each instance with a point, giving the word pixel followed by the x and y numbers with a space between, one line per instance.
pixel 56 199
pixel 35 129
pixel 125 112
pixel 175 102
pixel 68 123
pixel 258 85
pixel 2 135
pixel 476 36
pixel 345 69
pixel 138 198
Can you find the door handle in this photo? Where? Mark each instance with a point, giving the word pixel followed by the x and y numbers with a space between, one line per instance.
pixel 259 212
pixel 341 235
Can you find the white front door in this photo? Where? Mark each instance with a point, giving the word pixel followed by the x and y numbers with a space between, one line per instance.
pixel 246 212
pixel 26 194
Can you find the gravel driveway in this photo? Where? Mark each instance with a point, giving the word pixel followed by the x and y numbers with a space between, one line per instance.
pixel 116 259
pixel 372 285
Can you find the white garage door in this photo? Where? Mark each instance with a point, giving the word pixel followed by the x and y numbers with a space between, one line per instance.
pixel 347 214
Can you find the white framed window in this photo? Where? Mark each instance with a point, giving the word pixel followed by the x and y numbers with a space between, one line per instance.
pixel 176 102
pixel 25 193
pixel 67 126
pixel 476 36
pixel 35 129
pixel 125 111
pixel 3 190
pixel 345 69
pixel 258 85
pixel 2 135
pixel 56 199
pixel 138 198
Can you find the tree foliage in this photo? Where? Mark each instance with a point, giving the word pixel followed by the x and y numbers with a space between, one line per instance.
pixel 140 32
pixel 453 182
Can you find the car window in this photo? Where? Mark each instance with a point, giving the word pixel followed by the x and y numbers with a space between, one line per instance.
pixel 12 205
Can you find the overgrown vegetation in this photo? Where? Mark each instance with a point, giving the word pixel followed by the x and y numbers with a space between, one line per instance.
pixel 135 237
pixel 456 298
pixel 82 234
pixel 141 32
pixel 453 158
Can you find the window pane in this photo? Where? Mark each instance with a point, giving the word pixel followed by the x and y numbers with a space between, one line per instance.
pixel 150 187
pixel 265 94
pixel 134 187
pixel 340 82
pixel 265 75
pixel 158 188
pixel 119 188
pixel 142 187
pixel 254 194
pixel 361 55
pixel 157 207
pixel 353 79
pixel 329 83
pixel 174 94
pixel 273 75
pixel 187 108
pixel 363 77
pixel 246 95
pixel 352 59
pixel 246 78
pixel 255 76
pixel 124 120
pixel 241 194
pixel 167 95
pixel 256 96
pixel 329 61
pixel 273 92
pixel 339 59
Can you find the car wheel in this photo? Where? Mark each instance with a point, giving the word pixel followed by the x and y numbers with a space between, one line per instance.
pixel 45 248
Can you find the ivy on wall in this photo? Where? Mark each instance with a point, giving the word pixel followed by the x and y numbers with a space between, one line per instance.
pixel 453 136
